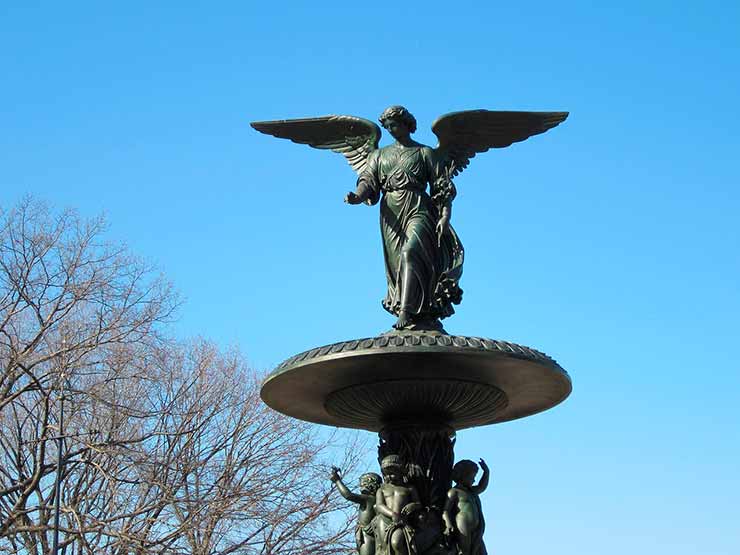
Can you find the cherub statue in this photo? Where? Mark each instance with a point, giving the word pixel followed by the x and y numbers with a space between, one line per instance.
pixel 462 514
pixel 413 182
pixel 364 531
pixel 395 503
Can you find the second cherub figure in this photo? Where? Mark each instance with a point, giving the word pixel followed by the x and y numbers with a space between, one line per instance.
pixel 462 515
pixel 396 503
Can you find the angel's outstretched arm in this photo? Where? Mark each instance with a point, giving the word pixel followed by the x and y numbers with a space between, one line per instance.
pixel 368 184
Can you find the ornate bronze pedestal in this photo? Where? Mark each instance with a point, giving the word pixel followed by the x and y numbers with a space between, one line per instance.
pixel 416 389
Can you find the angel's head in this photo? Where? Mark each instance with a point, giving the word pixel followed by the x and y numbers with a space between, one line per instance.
pixel 398 121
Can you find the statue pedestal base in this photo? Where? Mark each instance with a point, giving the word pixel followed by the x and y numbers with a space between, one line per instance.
pixel 416 388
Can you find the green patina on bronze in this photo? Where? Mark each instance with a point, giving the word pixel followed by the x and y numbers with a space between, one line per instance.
pixel 413 184
pixel 416 385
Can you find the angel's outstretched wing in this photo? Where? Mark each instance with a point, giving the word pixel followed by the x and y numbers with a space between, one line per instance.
pixel 462 135
pixel 351 136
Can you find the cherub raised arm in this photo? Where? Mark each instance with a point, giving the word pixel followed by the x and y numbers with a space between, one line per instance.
pixel 462 515
pixel 413 183
pixel 364 531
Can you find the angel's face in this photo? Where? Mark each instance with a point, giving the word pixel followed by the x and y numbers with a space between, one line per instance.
pixel 397 129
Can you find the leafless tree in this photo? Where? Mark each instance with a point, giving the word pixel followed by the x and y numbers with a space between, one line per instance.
pixel 238 477
pixel 67 300
pixel 166 447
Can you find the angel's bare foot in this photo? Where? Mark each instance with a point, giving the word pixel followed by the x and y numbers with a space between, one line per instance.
pixel 403 321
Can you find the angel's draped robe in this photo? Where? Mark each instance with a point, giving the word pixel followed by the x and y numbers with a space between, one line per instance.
pixel 422 275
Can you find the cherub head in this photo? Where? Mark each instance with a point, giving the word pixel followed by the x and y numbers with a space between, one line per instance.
pixel 398 121
pixel 464 472
pixel 393 469
pixel 369 483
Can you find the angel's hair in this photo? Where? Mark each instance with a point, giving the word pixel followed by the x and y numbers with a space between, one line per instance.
pixel 398 113
pixel 463 468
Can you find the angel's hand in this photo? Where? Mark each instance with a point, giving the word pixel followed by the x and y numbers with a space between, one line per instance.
pixel 334 477
pixel 443 224
pixel 352 198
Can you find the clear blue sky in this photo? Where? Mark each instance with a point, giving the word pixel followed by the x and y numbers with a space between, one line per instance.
pixel 611 242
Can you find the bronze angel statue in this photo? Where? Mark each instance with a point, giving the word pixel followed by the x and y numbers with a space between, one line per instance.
pixel 413 183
